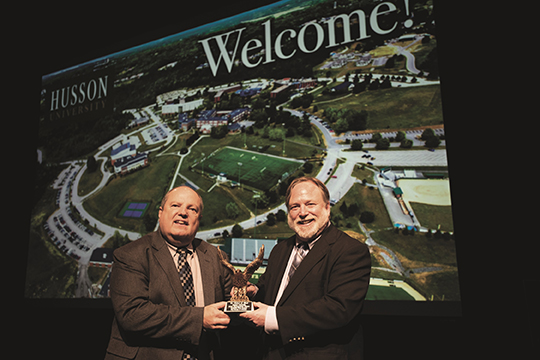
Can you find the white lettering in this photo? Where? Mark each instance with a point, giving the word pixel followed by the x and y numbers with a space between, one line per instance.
pixel 54 100
pixel 265 45
pixel 320 38
pixel 81 91
pixel 278 46
pixel 246 48
pixel 73 95
pixel 65 97
pixel 103 86
pixel 346 21
pixel 268 42
pixel 373 19
pixel 91 84
pixel 223 52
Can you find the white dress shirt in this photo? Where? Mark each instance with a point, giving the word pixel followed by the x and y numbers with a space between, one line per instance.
pixel 271 324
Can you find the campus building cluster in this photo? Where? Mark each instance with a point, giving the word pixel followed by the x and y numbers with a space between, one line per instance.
pixel 288 83
pixel 208 119
pixel 125 158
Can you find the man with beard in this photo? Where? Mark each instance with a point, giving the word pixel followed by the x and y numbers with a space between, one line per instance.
pixel 168 287
pixel 313 289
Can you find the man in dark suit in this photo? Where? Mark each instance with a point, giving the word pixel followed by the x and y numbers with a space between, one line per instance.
pixel 168 288
pixel 314 287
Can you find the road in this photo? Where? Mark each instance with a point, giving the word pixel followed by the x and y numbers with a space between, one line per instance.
pixel 63 227
pixel 340 179
pixel 76 240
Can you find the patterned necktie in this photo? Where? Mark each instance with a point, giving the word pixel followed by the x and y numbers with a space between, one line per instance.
pixel 301 251
pixel 186 278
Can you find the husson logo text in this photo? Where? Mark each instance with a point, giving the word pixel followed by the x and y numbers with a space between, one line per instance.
pixel 82 97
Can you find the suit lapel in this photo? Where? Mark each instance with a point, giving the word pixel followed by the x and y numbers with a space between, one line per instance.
pixel 283 259
pixel 315 255
pixel 165 260
pixel 207 273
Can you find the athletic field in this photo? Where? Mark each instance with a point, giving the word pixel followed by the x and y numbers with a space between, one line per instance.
pixel 380 289
pixel 257 170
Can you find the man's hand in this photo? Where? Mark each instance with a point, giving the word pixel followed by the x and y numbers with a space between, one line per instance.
pixel 251 290
pixel 214 317
pixel 258 316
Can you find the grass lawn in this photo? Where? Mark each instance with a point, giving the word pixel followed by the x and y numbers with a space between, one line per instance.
pixel 420 252
pixel 367 199
pixel 433 216
pixel 148 184
pixel 258 170
pixel 387 293
pixel 395 108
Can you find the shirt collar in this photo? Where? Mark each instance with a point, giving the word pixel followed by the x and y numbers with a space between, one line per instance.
pixel 174 249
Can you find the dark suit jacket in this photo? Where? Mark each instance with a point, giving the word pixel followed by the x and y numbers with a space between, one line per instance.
pixel 318 313
pixel 152 320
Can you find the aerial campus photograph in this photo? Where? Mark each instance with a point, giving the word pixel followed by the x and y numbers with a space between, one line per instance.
pixel 355 103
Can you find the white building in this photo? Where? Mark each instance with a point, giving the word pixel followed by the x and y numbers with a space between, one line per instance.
pixel 120 151
pixel 181 107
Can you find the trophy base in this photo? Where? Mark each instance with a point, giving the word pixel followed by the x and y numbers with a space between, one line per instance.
pixel 238 306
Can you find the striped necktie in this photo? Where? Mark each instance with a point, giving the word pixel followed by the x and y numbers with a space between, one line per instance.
pixel 301 251
pixel 184 270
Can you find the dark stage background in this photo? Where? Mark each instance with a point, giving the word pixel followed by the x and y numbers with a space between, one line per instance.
pixel 496 263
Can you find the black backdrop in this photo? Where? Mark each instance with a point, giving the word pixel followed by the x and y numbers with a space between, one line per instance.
pixel 498 281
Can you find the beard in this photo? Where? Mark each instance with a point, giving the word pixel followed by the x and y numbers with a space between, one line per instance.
pixel 307 231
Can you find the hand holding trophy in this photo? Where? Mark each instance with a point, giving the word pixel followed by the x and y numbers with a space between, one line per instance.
pixel 240 301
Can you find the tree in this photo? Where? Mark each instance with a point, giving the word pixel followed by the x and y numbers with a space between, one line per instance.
pixel 275 134
pixel 343 208
pixel 237 231
pixel 357 119
pixel 341 126
pixel 91 164
pixel 383 144
pixel 232 210
pixel 367 217
pixel 376 137
pixel 406 144
pixel 386 84
pixel 352 210
pixel 400 136
pixel 219 132
pixel 260 202
pixel 432 142
pixel 427 133
pixel 271 219
pixel 308 167
pixel 281 215
pixel 290 132
pixel 357 144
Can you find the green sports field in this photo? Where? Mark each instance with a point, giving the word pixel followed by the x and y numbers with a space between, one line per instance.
pixel 387 293
pixel 257 170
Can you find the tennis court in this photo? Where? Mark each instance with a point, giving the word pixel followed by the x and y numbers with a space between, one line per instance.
pixel 254 169
pixel 134 209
